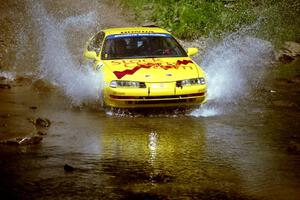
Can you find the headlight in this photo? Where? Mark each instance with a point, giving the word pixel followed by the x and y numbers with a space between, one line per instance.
pixel 194 81
pixel 133 84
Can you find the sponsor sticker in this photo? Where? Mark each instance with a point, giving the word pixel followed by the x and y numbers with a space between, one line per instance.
pixel 138 35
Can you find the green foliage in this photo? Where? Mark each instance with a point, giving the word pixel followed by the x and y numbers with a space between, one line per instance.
pixel 282 21
pixel 189 19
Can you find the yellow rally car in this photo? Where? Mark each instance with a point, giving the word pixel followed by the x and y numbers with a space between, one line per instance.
pixel 145 67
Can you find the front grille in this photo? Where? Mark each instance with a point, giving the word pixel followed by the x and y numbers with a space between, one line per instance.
pixel 161 101
pixel 159 98
pixel 168 97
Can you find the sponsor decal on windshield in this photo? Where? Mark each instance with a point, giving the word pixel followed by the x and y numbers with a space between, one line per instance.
pixel 138 35
pixel 179 63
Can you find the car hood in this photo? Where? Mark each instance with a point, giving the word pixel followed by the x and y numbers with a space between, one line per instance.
pixel 153 69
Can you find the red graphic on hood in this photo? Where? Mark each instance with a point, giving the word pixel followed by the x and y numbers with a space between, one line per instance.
pixel 179 63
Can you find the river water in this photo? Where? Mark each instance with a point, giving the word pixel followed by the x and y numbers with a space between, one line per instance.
pixel 237 146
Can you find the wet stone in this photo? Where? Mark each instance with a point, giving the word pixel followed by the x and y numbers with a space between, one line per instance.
pixel 29 140
pixel 42 85
pixel 42 122
pixel 5 86
pixel 296 79
pixel 41 133
pixel 24 80
pixel 31 120
pixel 3 125
pixel 33 107
pixel 285 59
pixel 288 52
pixel 68 168
pixel 5 116
pixel 293 147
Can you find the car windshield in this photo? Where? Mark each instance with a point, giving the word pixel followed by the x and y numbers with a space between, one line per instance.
pixel 141 46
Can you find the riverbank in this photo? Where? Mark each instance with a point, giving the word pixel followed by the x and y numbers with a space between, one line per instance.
pixel 273 21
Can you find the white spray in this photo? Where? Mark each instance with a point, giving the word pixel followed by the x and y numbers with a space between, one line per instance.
pixel 234 67
pixel 80 83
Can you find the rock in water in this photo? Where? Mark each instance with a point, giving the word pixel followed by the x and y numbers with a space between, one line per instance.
pixel 288 52
pixel 23 141
pixel 42 122
pixel 41 133
pixel 294 147
pixel 29 140
pixel 68 168
pixel 33 107
pixel 5 86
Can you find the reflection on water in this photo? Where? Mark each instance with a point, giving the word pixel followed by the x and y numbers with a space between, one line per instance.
pixel 153 158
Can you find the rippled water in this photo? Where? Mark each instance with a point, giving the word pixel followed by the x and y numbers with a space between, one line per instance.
pixel 237 156
pixel 235 147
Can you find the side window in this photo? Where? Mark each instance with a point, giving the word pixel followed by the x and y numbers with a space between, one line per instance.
pixel 96 42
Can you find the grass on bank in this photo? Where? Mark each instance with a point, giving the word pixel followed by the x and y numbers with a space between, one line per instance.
pixel 189 19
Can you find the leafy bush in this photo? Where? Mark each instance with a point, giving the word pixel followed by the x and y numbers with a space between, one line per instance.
pixel 189 19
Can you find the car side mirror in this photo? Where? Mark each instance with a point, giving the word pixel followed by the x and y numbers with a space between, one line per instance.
pixel 192 51
pixel 91 55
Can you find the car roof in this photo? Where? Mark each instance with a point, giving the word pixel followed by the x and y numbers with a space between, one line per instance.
pixel 132 30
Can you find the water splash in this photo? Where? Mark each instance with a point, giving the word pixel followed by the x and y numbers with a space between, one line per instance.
pixel 207 111
pixel 80 83
pixel 8 75
pixel 234 68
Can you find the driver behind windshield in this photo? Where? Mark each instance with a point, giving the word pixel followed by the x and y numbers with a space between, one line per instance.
pixel 141 47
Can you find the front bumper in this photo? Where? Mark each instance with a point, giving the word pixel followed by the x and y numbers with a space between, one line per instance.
pixel 155 96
